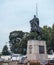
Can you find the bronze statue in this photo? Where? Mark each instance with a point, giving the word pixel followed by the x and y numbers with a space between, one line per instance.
pixel 35 26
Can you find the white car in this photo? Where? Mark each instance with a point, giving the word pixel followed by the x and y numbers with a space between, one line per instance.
pixel 22 59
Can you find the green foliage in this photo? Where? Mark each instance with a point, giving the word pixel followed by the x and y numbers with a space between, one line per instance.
pixel 5 50
pixel 33 35
pixel 52 38
pixel 48 36
pixel 18 41
pixel 15 37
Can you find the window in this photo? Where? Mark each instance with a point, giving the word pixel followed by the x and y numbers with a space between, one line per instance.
pixel 41 49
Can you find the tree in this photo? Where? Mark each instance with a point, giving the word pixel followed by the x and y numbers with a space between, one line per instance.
pixel 33 35
pixel 52 38
pixel 5 50
pixel 23 45
pixel 14 39
pixel 46 35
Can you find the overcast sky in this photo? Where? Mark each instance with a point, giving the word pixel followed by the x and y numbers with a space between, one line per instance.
pixel 16 14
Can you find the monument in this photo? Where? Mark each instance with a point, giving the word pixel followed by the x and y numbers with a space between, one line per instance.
pixel 34 23
pixel 36 49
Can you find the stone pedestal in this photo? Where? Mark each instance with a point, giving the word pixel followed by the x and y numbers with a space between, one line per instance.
pixel 36 50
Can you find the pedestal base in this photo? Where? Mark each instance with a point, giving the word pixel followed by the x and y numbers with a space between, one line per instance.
pixel 36 50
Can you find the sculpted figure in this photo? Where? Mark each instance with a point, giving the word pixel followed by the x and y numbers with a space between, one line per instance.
pixel 35 25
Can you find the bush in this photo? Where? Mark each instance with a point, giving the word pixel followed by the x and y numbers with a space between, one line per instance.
pixel 48 64
pixel 33 63
pixel 0 63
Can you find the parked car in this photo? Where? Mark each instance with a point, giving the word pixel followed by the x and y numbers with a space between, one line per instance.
pixel 22 59
pixel 18 57
pixel 1 59
pixel 15 56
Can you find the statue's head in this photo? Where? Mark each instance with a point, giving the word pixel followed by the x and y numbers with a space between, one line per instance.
pixel 34 16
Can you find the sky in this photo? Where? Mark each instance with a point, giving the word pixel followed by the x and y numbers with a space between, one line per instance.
pixel 16 14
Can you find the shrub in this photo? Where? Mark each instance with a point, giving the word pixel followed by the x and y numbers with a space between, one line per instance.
pixel 33 63
pixel 37 63
pixel 48 64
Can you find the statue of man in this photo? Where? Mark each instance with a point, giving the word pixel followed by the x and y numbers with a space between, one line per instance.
pixel 34 24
